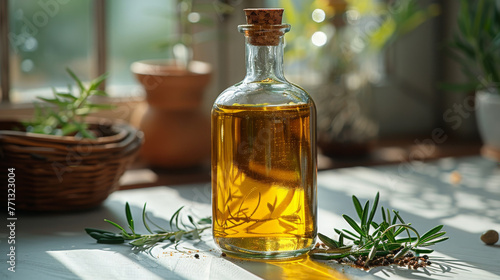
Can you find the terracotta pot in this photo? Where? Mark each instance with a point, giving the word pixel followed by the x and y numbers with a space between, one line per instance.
pixel 176 133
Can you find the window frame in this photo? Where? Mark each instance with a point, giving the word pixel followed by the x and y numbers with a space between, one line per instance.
pixel 99 29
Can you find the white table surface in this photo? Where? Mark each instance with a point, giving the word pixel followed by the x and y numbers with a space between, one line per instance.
pixel 54 246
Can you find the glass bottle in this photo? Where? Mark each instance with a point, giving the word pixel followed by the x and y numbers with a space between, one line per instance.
pixel 264 153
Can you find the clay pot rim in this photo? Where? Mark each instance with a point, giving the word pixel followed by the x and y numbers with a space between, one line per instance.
pixel 168 67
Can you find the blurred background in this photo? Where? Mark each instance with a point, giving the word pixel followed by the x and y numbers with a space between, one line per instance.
pixel 378 70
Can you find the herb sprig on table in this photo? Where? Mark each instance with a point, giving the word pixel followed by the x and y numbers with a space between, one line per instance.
pixel 367 244
pixel 370 240
pixel 177 230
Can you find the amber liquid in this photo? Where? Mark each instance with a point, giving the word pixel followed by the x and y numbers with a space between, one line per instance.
pixel 264 179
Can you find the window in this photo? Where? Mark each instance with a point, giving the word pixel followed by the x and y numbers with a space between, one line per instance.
pixel 39 39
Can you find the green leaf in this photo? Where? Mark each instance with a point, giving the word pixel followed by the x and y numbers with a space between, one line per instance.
pixel 69 128
pixel 191 220
pixel 383 214
pixel 341 239
pixel 349 235
pixel 354 225
pixel 358 207
pixel 101 106
pixel 398 231
pixel 130 219
pixel 76 79
pixel 398 216
pixel 431 232
pixel 54 101
pixel 433 242
pixel 432 237
pixel 116 225
pixel 328 241
pixel 66 95
pixel 365 215
pixel 144 219
pixel 175 217
pixel 205 221
pixel 97 81
pixel 394 220
pixel 99 93
pixel 374 210
pixel 388 234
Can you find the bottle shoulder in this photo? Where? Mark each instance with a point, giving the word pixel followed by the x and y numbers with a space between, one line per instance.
pixel 264 92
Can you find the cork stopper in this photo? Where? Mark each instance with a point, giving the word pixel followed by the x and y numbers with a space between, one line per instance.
pixel 264 27
pixel 264 16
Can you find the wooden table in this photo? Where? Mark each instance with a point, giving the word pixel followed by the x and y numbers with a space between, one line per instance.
pixel 462 194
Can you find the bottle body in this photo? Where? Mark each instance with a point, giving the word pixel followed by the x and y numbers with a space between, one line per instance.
pixel 264 170
pixel 264 178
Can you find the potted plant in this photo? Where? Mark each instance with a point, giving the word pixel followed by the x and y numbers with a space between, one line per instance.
pixel 476 46
pixel 176 131
pixel 341 54
pixel 62 160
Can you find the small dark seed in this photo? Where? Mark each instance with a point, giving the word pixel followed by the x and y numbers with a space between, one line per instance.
pixel 425 257
pixel 223 254
pixel 429 262
pixel 197 256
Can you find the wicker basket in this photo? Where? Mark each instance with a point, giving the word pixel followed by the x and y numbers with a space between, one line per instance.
pixel 61 173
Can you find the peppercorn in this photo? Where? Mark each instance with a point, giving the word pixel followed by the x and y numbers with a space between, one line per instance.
pixel 223 254
pixel 197 256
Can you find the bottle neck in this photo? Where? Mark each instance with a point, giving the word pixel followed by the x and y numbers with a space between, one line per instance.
pixel 264 63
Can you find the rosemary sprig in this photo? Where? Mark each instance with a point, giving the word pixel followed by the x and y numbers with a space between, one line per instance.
pixel 383 240
pixel 178 230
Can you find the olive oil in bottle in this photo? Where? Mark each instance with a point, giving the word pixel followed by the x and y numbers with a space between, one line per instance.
pixel 264 153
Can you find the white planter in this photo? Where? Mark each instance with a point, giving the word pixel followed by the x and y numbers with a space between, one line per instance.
pixel 488 118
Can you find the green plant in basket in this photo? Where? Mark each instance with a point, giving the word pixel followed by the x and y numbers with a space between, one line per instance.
pixel 65 113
